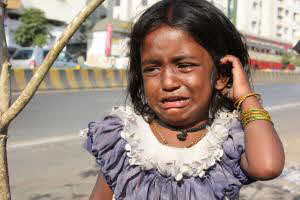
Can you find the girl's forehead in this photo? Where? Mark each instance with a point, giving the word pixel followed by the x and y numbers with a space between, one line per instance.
pixel 165 37
pixel 168 39
pixel 166 31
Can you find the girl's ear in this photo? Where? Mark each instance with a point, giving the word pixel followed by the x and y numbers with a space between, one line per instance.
pixel 221 82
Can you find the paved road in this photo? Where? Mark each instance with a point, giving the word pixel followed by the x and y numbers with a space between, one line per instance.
pixel 45 158
pixel 52 114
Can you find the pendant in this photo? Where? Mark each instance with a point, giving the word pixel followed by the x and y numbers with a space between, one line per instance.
pixel 182 136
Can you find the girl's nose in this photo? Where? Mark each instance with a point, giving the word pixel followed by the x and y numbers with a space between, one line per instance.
pixel 169 80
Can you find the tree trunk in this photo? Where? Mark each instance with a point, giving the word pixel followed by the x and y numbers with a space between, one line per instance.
pixel 4 178
pixel 4 105
pixel 9 112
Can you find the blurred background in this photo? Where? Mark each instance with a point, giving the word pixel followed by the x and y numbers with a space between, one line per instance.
pixel 45 156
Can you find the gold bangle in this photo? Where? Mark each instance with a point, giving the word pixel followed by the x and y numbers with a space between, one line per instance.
pixel 255 111
pixel 251 112
pixel 238 102
pixel 254 114
pixel 247 122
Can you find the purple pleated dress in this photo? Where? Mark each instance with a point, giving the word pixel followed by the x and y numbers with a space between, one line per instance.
pixel 133 179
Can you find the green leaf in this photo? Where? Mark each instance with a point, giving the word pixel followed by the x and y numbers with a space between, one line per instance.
pixel 34 28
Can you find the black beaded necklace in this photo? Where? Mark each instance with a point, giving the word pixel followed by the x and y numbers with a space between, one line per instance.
pixel 183 132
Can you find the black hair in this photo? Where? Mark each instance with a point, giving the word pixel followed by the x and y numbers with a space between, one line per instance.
pixel 207 25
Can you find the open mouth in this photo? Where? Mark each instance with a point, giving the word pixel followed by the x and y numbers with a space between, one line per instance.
pixel 174 102
pixel 174 99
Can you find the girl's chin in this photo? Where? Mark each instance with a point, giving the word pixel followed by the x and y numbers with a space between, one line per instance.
pixel 175 120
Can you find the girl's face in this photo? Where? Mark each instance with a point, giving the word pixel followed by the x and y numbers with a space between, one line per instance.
pixel 176 73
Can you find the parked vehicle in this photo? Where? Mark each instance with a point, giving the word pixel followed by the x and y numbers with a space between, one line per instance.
pixel 33 57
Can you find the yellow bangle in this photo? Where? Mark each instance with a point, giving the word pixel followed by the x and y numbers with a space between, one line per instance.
pixel 254 114
pixel 238 102
pixel 250 120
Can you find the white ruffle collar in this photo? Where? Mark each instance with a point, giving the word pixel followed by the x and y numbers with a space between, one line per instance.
pixel 144 150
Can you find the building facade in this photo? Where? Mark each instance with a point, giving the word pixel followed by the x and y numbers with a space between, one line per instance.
pixel 275 19
pixel 129 10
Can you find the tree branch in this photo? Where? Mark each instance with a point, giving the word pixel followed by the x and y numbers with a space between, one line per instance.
pixel 4 77
pixel 38 76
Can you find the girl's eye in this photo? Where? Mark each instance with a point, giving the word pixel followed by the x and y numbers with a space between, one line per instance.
pixel 150 70
pixel 185 67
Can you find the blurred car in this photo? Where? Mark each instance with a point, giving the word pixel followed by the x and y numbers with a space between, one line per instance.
pixel 65 60
pixel 33 57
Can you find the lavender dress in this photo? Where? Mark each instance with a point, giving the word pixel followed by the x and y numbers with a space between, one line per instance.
pixel 136 166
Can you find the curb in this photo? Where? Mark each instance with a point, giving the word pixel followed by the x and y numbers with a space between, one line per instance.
pixel 60 79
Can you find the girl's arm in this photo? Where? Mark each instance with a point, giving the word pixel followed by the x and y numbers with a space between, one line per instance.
pixel 264 155
pixel 101 190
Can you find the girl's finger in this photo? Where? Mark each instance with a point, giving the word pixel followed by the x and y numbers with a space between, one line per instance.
pixel 231 59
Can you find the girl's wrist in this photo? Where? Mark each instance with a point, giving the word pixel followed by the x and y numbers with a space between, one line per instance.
pixel 251 102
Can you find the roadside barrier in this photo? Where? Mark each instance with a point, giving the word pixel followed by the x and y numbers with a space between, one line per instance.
pixel 60 79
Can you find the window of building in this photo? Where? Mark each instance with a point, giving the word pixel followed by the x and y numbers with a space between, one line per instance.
pixel 118 2
pixel 279 28
pixel 144 2
pixel 294 16
pixel 278 35
pixel 294 33
pixel 253 25
pixel 254 6
pixel 286 12
pixel 286 30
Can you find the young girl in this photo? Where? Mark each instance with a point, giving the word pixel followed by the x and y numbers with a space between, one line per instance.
pixel 195 129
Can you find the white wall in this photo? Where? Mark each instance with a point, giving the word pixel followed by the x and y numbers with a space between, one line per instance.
pixel 96 49
pixel 10 27
pixel 62 10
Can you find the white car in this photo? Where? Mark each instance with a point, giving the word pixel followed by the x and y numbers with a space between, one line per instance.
pixel 33 57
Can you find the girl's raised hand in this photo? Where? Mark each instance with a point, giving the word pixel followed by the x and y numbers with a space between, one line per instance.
pixel 241 85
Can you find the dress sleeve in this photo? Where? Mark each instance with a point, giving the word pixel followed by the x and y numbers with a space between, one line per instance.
pixel 105 143
pixel 233 148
